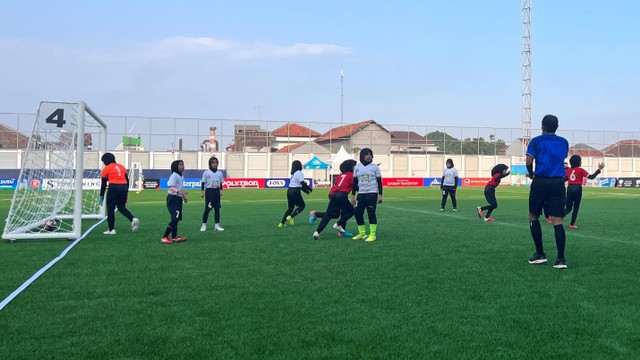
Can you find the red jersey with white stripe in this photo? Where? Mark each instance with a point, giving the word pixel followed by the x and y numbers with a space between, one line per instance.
pixel 115 174
pixel 343 183
pixel 576 175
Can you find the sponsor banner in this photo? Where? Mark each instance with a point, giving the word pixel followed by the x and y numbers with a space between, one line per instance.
pixel 628 182
pixel 187 183
pixel 436 181
pixel 282 182
pixel 151 184
pixel 55 184
pixel 243 183
pixel 8 184
pixel 475 181
pixel 402 182
pixel 606 182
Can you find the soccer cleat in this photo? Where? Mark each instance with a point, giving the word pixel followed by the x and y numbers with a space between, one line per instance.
pixel 479 212
pixel 549 220
pixel 455 210
pixel 370 238
pixel 203 227
pixel 441 209
pixel 560 263
pixel 166 240
pixel 218 228
pixel 538 258
pixel 360 237
pixel 110 232
pixel 338 227
pixel 572 227
pixel 346 233
pixel 316 235
pixel 290 220
pixel 312 217
pixel 280 225
pixel 134 224
pixel 179 239
pixel 488 219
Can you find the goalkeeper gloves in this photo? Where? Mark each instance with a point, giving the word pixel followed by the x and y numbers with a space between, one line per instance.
pixel 101 201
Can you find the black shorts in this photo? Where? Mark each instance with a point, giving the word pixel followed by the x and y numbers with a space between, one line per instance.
pixel 212 196
pixel 174 205
pixel 547 193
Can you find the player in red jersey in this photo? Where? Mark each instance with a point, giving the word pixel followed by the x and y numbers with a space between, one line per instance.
pixel 576 177
pixel 339 205
pixel 497 173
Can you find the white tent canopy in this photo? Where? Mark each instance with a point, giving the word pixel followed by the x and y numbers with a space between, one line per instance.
pixel 340 156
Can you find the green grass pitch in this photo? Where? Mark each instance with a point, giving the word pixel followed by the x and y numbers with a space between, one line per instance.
pixel 433 286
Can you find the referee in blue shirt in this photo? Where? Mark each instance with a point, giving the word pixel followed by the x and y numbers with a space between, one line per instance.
pixel 548 151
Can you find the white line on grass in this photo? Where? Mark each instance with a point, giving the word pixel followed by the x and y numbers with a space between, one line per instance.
pixel 523 227
pixel 35 276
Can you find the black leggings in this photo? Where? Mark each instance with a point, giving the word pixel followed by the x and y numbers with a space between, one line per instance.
pixel 117 198
pixel 368 201
pixel 574 197
pixel 295 202
pixel 490 195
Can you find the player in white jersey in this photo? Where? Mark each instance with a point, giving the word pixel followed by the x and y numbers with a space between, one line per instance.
pixel 367 182
pixel 294 197
pixel 211 191
pixel 175 197
pixel 449 185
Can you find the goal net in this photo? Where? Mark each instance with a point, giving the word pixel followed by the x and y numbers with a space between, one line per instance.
pixel 59 182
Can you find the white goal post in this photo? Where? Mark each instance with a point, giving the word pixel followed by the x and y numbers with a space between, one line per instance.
pixel 59 182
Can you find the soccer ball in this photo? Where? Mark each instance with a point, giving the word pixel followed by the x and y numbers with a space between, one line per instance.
pixel 50 225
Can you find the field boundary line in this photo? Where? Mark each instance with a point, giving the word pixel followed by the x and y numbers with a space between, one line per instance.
pixel 38 273
pixel 525 228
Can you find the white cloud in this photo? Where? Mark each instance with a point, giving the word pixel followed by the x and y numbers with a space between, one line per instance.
pixel 179 46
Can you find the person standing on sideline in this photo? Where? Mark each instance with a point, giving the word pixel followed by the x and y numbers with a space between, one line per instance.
pixel 339 205
pixel 211 191
pixel 575 176
pixel 548 152
pixel 175 197
pixel 449 185
pixel 116 176
pixel 295 202
pixel 497 173
pixel 367 182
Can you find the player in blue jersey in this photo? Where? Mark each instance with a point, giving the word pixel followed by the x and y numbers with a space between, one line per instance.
pixel 548 151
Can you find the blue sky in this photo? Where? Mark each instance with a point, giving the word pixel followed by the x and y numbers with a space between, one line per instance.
pixel 405 62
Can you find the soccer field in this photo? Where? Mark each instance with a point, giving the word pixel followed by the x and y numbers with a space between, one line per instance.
pixel 433 286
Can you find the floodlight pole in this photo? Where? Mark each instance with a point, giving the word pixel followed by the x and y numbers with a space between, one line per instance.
pixel 526 74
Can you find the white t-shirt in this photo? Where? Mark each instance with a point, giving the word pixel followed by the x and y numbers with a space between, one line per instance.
pixel 176 181
pixel 368 177
pixel 450 175
pixel 296 179
pixel 212 180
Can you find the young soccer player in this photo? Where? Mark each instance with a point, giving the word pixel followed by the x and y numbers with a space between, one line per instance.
pixel 576 176
pixel 449 185
pixel 367 182
pixel 548 151
pixel 116 176
pixel 497 173
pixel 211 191
pixel 339 205
pixel 175 197
pixel 296 204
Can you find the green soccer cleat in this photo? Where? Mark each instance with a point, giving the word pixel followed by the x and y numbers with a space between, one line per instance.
pixel 360 237
pixel 370 238
pixel 290 220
